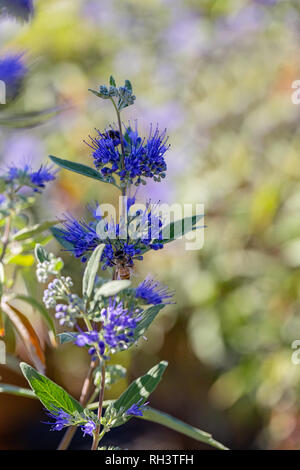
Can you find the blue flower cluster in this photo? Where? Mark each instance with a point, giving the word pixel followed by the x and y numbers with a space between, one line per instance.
pixel 91 339
pixel 144 158
pixel 116 333
pixel 152 292
pixel 26 176
pixel 12 73
pixel 63 419
pixel 20 9
pixel 125 242
pixel 137 409
pixel 118 325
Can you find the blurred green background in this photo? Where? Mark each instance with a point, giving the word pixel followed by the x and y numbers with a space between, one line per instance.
pixel 218 75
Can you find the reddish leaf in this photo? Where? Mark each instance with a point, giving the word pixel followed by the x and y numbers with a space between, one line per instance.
pixel 28 335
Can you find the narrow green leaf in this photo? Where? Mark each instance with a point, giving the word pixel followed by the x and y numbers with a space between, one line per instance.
pixel 95 93
pixel 128 85
pixel 94 406
pixel 57 235
pixel 29 119
pixel 112 288
pixel 91 271
pixel 40 308
pixel 180 227
pixel 80 168
pixel 147 318
pixel 2 278
pixel 40 253
pixel 67 337
pixel 14 390
pixel 112 81
pixel 2 274
pixel 21 260
pixel 32 231
pixel 156 416
pixel 177 229
pixel 49 393
pixel 138 391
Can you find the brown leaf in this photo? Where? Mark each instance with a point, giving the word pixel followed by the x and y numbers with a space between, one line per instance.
pixel 28 334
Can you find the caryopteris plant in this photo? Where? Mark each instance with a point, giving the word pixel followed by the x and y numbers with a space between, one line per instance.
pixel 110 316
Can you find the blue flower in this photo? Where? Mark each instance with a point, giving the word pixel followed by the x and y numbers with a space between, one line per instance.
pixel 118 325
pixel 136 409
pixel 42 176
pixel 12 73
pixel 88 428
pixel 20 9
pixel 92 340
pixel 81 236
pixel 61 419
pixel 124 242
pixel 27 177
pixel 152 292
pixel 144 158
pixel 116 333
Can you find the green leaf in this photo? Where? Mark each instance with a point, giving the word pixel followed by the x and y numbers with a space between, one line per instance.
pixel 2 278
pixel 128 85
pixel 138 391
pixel 67 337
pixel 30 119
pixel 21 260
pixel 56 233
pixel 40 253
pixel 42 239
pixel 13 390
pixel 32 231
pixel 180 227
pixel 177 229
pixel 147 318
pixel 81 169
pixel 49 393
pixel 40 308
pixel 112 288
pixel 156 416
pixel 91 271
pixel 112 81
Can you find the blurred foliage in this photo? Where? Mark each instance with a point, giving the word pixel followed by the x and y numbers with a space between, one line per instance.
pixel 218 75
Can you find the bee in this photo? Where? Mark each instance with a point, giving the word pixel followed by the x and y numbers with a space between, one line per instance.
pixel 123 265
pixel 112 134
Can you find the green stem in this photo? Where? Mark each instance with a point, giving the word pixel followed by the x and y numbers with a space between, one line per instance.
pixel 97 435
pixel 5 239
pixel 121 132
pixel 123 188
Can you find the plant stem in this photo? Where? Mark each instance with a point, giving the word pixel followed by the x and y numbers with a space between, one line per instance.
pixel 121 132
pixel 5 239
pixel 123 188
pixel 84 398
pixel 100 406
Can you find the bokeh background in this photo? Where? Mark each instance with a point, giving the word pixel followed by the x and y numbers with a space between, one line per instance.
pixel 218 75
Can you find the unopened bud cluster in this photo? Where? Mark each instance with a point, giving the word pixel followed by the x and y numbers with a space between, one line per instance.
pixel 49 267
pixel 57 289
pixel 123 93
